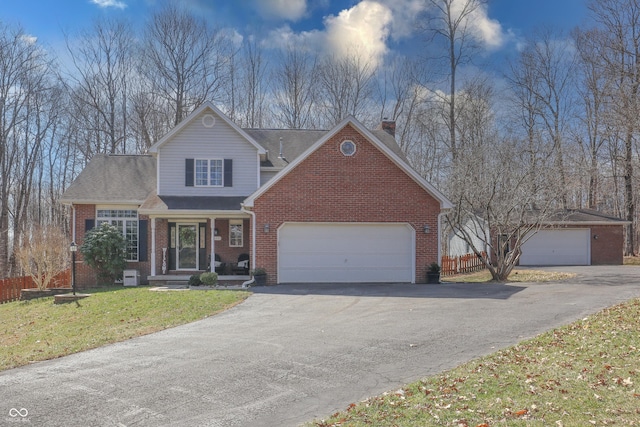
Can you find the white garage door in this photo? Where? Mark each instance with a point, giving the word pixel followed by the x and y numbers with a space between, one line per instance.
pixel 345 252
pixel 558 247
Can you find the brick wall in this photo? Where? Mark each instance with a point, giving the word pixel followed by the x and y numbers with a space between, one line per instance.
pixel 85 276
pixel 608 248
pixel 331 187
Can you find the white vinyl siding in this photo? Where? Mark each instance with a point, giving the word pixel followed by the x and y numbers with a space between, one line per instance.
pixel 196 141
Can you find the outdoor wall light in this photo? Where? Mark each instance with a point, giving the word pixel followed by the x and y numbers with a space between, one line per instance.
pixel 266 228
pixel 215 231
pixel 595 237
pixel 426 229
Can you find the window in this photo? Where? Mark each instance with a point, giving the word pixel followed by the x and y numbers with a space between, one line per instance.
pixel 209 172
pixel 348 148
pixel 125 220
pixel 235 233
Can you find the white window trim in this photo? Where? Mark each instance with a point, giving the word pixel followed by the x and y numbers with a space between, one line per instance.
pixel 124 225
pixel 195 173
pixel 239 222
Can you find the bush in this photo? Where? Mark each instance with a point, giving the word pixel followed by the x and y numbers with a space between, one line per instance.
pixel 195 280
pixel 209 279
pixel 104 249
pixel 43 255
pixel 434 268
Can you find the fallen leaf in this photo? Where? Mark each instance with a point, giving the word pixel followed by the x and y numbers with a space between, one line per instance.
pixel 522 412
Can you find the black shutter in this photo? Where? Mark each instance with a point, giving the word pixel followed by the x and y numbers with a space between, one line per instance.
pixel 142 240
pixel 188 175
pixel 89 224
pixel 228 172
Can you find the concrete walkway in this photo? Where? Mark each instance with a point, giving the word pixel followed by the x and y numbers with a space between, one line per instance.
pixel 293 353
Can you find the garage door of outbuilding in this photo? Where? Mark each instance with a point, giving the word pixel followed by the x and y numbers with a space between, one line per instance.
pixel 346 253
pixel 569 246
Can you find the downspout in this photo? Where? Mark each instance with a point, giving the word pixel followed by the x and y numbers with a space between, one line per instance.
pixel 440 235
pixel 253 243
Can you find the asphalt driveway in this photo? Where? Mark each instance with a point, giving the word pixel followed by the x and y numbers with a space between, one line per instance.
pixel 293 353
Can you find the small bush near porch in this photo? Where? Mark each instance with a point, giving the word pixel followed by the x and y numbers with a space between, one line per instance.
pixel 39 330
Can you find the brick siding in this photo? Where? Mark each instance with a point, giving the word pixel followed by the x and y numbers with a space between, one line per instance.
pixel 331 187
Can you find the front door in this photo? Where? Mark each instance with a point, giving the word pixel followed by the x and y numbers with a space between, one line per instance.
pixel 187 247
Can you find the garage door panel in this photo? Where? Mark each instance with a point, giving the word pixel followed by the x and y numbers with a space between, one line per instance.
pixel 557 247
pixel 345 253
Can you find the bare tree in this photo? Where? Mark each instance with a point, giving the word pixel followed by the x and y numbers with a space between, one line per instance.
pixel 449 20
pixel 24 92
pixel 102 58
pixel 294 89
pixel 543 86
pixel 592 90
pixel 345 87
pixel 184 60
pixel 494 210
pixel 43 255
pixel 619 54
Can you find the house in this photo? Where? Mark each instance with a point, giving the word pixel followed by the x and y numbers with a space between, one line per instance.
pixel 307 206
pixel 576 237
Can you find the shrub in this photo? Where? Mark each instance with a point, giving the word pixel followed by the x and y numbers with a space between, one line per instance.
pixel 259 272
pixel 195 280
pixel 209 278
pixel 434 268
pixel 43 255
pixel 104 249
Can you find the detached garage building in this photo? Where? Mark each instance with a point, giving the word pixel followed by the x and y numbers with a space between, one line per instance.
pixel 576 237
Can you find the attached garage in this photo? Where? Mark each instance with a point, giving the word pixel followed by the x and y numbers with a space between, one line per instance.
pixel 562 246
pixel 346 253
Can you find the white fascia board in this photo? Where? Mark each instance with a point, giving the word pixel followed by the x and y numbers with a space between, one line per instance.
pixel 444 202
pixel 70 202
pixel 187 120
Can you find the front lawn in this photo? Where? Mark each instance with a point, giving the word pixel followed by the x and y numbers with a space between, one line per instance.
pixel 39 330
pixel 584 374
pixel 517 275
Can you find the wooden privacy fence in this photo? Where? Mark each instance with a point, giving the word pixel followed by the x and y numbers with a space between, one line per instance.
pixel 10 288
pixel 467 263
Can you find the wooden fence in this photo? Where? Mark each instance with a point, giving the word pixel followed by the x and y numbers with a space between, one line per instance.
pixel 10 288
pixel 468 263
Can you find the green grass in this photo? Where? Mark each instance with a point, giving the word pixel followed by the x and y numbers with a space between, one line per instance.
pixel 587 373
pixel 39 330
pixel 515 276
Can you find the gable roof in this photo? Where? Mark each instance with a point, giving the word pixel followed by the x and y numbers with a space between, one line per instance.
pixel 113 178
pixel 582 216
pixel 385 147
pixel 207 105
pixel 296 141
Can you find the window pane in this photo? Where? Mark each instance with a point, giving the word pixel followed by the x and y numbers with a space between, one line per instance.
pixel 235 235
pixel 128 227
pixel 201 172
pixel 215 172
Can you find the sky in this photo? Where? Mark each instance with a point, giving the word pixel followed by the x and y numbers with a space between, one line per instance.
pixel 377 27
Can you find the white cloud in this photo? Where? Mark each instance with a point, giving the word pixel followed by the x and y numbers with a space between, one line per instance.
pixel 484 29
pixel 364 29
pixel 110 3
pixel 29 39
pixel 290 10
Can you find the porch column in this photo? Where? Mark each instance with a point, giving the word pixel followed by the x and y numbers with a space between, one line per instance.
pixel 213 244
pixel 153 246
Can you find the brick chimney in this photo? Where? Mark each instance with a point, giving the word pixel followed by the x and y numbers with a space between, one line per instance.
pixel 389 126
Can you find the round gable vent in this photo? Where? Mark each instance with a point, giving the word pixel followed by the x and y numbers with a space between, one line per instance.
pixel 208 120
pixel 348 148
